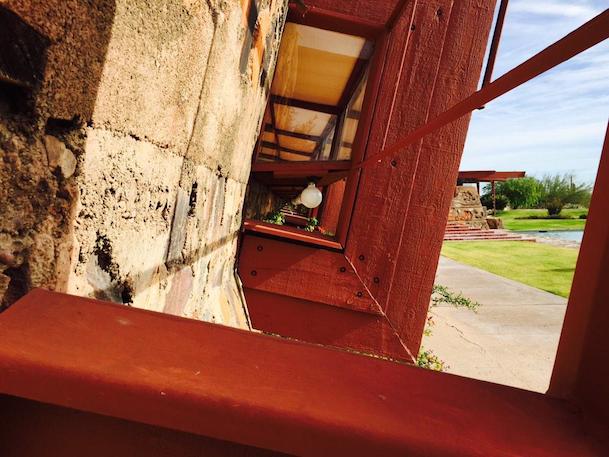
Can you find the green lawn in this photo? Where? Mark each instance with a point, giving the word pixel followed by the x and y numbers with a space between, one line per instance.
pixel 544 266
pixel 511 222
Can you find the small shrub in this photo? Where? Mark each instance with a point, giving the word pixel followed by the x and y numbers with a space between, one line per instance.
pixel 276 218
pixel 311 224
pixel 441 294
pixel 559 191
pixel 427 359
pixel 583 216
pixel 501 202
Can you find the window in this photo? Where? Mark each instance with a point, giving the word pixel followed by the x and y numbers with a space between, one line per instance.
pixel 316 96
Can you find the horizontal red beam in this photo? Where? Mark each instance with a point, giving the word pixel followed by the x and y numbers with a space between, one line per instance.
pixel 335 21
pixel 588 35
pixel 263 391
pixel 302 167
pixel 303 104
pixel 323 324
pixel 490 175
pixel 290 233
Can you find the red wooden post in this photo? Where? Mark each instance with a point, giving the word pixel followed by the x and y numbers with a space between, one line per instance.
pixel 492 54
pixel 400 240
pixel 581 369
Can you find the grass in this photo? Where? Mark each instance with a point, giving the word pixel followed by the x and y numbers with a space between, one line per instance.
pixel 511 221
pixel 543 266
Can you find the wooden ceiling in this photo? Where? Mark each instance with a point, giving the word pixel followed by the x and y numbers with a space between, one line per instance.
pixel 319 82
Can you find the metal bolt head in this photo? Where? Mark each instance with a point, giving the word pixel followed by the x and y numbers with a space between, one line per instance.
pixel 361 257
pixel 254 273
pixel 259 248
pixel 359 294
pixel 376 280
pixel 343 269
pixel 394 163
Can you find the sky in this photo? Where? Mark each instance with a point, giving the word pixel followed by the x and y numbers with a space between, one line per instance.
pixel 555 123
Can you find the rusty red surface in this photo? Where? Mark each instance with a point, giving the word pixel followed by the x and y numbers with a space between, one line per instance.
pixel 319 323
pixel 300 271
pixel 263 391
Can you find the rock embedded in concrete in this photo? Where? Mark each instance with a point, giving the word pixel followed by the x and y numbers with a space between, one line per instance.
pixel 178 232
pixel 58 155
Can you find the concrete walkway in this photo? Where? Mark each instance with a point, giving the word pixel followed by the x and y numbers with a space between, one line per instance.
pixel 511 339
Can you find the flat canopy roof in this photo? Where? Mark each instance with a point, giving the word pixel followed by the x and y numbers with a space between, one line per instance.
pixel 488 175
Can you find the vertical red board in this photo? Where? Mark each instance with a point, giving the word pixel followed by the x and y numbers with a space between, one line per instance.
pixel 404 99
pixel 400 215
pixel 581 369
pixel 434 173
pixel 333 201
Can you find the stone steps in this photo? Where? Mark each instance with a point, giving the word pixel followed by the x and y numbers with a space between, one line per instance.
pixel 460 232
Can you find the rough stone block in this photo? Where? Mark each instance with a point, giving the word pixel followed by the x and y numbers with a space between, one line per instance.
pixel 178 227
pixel 179 293
pixel 155 66
pixel 58 155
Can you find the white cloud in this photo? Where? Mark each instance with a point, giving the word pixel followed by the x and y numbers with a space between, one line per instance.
pixel 552 9
pixel 555 123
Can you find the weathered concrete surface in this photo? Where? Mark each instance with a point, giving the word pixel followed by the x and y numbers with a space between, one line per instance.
pixel 511 339
pixel 127 178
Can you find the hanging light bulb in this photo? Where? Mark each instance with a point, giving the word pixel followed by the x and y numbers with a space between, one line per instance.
pixel 309 197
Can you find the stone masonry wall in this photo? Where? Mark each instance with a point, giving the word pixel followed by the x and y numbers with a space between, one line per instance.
pixel 466 208
pixel 126 180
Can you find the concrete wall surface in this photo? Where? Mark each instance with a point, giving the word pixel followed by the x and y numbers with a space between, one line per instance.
pixel 125 166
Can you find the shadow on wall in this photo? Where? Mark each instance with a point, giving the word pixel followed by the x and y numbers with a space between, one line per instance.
pixel 51 60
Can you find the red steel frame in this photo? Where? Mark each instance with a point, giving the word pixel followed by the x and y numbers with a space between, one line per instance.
pixel 284 396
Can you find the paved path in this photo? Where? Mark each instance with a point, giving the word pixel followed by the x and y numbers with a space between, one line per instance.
pixel 511 339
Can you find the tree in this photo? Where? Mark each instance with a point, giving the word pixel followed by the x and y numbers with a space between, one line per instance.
pixel 501 201
pixel 519 192
pixel 558 191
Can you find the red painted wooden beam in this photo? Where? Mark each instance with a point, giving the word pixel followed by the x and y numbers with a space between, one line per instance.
pixel 291 233
pixel 489 175
pixel 262 391
pixel 494 49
